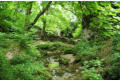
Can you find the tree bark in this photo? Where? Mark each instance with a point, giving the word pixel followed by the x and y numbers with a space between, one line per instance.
pixel 39 14
pixel 87 33
pixel 44 35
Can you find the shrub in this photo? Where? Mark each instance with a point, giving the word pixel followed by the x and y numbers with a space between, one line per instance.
pixel 69 51
pixel 20 59
pixel 5 68
pixel 113 71
pixel 91 74
pixel 31 71
pixel 50 47
pixel 43 46
pixel 85 51
pixel 77 32
pixel 25 67
pixel 56 45
pixel 93 63
pixel 32 51
pixel 5 43
pixel 21 71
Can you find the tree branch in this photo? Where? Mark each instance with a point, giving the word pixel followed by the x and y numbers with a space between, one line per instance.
pixel 69 10
pixel 41 13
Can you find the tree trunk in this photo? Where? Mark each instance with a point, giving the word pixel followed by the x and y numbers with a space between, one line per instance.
pixel 44 35
pixel 87 33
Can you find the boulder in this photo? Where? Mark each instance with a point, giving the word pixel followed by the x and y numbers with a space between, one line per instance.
pixel 9 55
pixel 68 58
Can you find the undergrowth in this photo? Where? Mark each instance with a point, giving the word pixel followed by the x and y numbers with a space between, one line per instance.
pixel 25 66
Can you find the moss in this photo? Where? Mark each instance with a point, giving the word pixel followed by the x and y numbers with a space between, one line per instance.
pixel 43 52
pixel 53 65
pixel 63 60
pixel 50 47
pixel 43 46
pixel 69 51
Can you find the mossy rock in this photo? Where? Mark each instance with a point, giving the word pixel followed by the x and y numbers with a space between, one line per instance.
pixel 43 52
pixel 43 47
pixel 55 46
pixel 58 44
pixel 69 51
pixel 53 65
pixel 67 59
pixel 63 60
pixel 50 47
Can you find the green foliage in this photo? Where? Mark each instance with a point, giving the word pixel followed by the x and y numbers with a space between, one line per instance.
pixel 23 66
pixel 69 51
pixel 22 71
pixel 114 70
pixel 58 44
pixel 5 69
pixel 53 65
pixel 30 71
pixel 99 58
pixel 20 59
pixel 86 50
pixel 77 32
pixel 91 74
pixel 4 43
pixel 116 42
pixel 50 47
pixel 33 52
pixel 64 60
pixel 93 63
pixel 44 46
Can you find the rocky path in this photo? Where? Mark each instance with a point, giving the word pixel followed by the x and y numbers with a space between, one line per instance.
pixel 59 61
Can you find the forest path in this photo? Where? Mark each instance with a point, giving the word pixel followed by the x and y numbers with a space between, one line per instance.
pixel 59 59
